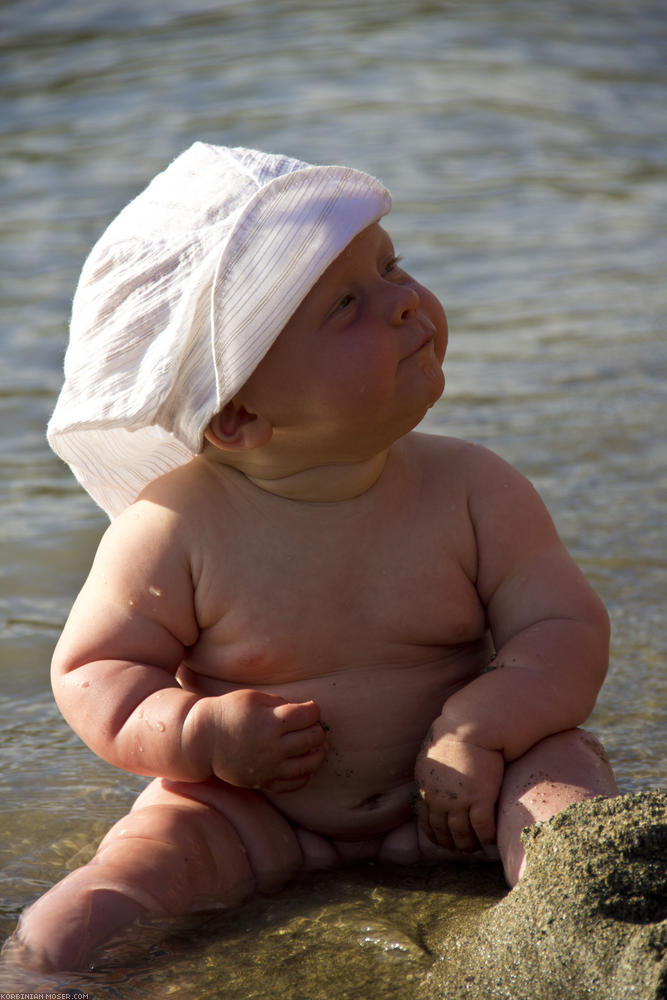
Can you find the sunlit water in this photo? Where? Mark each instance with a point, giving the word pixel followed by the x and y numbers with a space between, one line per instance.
pixel 525 146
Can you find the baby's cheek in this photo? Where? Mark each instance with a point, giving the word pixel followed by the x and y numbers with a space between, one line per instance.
pixel 436 314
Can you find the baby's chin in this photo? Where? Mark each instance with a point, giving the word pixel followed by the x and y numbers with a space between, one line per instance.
pixel 433 371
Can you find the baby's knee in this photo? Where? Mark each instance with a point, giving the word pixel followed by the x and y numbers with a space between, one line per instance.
pixel 575 757
pixel 270 846
pixel 573 740
pixel 584 742
pixel 185 856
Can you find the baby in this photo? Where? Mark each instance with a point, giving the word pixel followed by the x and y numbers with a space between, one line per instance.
pixel 327 637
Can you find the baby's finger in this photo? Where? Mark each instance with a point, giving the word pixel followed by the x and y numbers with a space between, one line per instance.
pixel 463 835
pixel 297 715
pixel 306 764
pixel 294 744
pixel 434 826
pixel 279 785
pixel 483 821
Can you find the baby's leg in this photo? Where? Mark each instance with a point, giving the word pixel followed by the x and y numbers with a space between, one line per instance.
pixel 559 770
pixel 182 847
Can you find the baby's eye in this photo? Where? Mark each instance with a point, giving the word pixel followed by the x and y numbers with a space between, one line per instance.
pixel 343 302
pixel 392 264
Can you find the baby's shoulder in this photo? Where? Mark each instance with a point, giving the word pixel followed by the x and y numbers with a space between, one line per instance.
pixel 458 471
pixel 166 510
pixel 184 492
pixel 449 456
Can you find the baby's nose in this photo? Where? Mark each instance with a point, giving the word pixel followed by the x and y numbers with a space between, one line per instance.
pixel 405 303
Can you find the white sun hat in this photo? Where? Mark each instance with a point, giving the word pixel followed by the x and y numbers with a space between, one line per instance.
pixel 182 297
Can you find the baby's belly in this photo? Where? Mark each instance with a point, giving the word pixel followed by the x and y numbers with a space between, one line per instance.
pixel 355 801
pixel 375 721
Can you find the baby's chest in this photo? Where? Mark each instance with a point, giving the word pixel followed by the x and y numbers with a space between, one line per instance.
pixel 326 604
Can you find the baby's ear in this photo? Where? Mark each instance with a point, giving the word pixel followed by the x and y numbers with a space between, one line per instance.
pixel 234 429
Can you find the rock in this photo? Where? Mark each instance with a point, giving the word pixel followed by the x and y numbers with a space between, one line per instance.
pixel 588 921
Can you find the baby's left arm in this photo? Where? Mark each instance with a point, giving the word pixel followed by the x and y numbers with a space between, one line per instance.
pixel 551 635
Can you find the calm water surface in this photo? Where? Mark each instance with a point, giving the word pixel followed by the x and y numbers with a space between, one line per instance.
pixel 525 146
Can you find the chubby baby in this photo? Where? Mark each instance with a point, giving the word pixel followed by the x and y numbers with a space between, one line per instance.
pixel 326 636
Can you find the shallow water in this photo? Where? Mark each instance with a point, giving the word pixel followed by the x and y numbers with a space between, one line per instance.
pixel 525 146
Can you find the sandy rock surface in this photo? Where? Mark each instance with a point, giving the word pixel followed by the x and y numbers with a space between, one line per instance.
pixel 587 922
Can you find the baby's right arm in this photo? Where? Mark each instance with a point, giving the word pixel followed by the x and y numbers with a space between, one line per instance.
pixel 114 668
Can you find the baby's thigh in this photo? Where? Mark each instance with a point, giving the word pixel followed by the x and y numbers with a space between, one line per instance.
pixel 240 827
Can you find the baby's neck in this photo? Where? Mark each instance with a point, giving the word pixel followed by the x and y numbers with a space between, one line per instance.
pixel 324 484
pixel 311 484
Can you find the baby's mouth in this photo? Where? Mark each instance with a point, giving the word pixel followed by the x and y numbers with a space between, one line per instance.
pixel 426 339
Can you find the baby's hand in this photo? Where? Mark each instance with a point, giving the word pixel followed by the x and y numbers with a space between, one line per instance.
pixel 459 784
pixel 263 741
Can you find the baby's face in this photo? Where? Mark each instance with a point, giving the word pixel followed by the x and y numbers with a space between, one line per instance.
pixel 359 362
